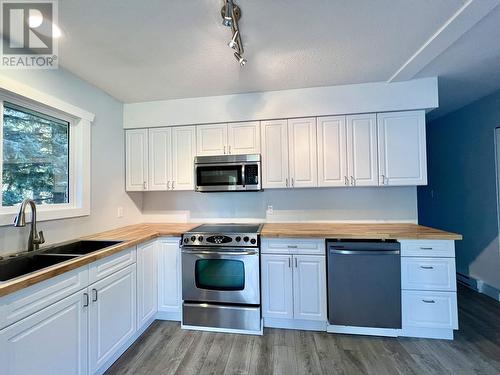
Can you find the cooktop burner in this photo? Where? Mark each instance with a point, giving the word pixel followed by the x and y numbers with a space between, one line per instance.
pixel 234 235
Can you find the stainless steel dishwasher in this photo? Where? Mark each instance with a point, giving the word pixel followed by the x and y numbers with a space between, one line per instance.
pixel 364 283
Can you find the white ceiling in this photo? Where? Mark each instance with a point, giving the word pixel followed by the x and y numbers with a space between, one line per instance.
pixel 156 49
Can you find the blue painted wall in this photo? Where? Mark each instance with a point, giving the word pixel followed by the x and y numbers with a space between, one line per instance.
pixel 461 195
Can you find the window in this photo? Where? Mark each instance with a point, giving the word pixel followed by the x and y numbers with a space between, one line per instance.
pixel 35 157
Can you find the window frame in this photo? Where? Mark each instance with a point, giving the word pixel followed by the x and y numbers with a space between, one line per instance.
pixel 79 159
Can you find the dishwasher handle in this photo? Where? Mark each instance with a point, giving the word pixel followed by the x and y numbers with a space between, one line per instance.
pixel 333 250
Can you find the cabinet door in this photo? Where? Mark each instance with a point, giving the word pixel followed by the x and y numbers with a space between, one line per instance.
pixel 211 139
pixel 332 154
pixel 147 282
pixel 183 153
pixel 136 163
pixel 309 286
pixel 302 151
pixel 51 341
pixel 169 280
pixel 277 292
pixel 362 150
pixel 244 138
pixel 160 158
pixel 402 148
pixel 112 319
pixel 274 141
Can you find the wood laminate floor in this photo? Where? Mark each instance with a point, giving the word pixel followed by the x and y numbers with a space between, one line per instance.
pixel 166 349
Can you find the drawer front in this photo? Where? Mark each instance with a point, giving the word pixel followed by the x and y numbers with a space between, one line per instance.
pixel 428 274
pixel 428 248
pixel 293 246
pixel 19 305
pixel 109 265
pixel 429 309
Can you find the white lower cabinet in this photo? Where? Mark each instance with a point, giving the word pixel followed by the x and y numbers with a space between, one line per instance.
pixel 169 278
pixel 112 315
pixel 50 341
pixel 147 282
pixel 293 290
pixel 430 309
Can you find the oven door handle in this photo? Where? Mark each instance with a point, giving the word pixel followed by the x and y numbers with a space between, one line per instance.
pixel 251 252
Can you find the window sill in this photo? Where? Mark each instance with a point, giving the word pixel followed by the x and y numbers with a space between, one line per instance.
pixel 7 218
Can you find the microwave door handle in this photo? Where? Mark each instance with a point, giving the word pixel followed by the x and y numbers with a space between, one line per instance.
pixel 243 175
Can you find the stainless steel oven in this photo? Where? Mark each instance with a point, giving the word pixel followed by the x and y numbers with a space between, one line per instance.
pixel 228 173
pixel 228 275
pixel 221 278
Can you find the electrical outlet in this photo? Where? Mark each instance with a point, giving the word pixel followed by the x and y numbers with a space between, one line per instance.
pixel 119 212
pixel 269 210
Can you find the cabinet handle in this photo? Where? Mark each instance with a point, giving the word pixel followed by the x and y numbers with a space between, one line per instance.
pixel 289 262
pixel 426 248
pixel 427 267
pixel 173 186
pixel 86 296
pixel 346 181
pixel 224 150
pixel 168 185
pixel 353 181
pixel 229 149
pixel 428 301
pixel 144 185
pixel 292 246
pixel 286 182
pixel 293 182
pixel 94 292
pixel 295 262
pixel 383 179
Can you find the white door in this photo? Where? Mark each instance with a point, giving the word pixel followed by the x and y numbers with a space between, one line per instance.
pixel 277 292
pixel 274 142
pixel 332 154
pixel 169 277
pixel 362 150
pixel 160 158
pixel 302 152
pixel 183 153
pixel 309 286
pixel 244 138
pixel 112 315
pixel 51 341
pixel 147 282
pixel 401 148
pixel 211 139
pixel 136 159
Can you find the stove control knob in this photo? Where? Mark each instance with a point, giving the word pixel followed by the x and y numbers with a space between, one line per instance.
pixel 253 241
pixel 246 239
pixel 238 239
pixel 193 238
pixel 186 240
pixel 200 238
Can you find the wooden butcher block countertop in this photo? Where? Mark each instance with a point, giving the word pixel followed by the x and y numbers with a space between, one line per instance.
pixel 139 233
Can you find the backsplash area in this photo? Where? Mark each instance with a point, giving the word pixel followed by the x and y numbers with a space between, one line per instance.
pixel 326 204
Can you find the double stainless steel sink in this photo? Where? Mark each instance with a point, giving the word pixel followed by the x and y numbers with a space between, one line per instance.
pixel 22 264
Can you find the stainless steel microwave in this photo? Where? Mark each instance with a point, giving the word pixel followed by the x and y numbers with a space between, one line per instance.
pixel 227 173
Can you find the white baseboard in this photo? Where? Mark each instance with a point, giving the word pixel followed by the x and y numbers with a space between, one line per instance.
pixel 370 331
pixel 305 325
pixel 427 333
pixel 479 286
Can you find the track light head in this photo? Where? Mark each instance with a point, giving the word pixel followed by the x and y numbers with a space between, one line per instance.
pixel 240 59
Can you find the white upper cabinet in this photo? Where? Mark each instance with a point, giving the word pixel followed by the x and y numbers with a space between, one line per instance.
pixel 402 148
pixel 302 157
pixel 332 155
pixel 362 150
pixel 274 148
pixel 183 153
pixel 160 158
pixel 136 160
pixel 244 138
pixel 211 139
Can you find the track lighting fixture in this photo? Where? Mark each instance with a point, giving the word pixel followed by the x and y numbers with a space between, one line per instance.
pixel 231 14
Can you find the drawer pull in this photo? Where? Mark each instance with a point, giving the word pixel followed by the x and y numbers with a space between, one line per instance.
pixel 292 246
pixel 427 267
pixel 426 248
pixel 428 301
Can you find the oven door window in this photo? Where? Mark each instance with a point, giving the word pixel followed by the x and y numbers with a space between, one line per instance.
pixel 223 175
pixel 220 274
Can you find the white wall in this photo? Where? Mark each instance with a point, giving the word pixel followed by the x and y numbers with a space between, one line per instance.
pixel 317 101
pixel 325 204
pixel 107 192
